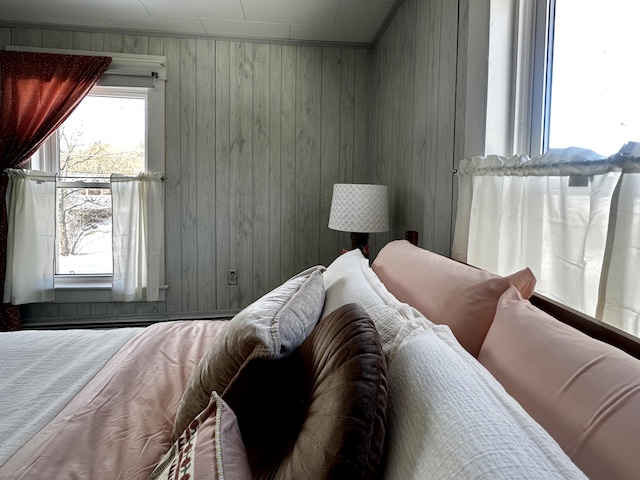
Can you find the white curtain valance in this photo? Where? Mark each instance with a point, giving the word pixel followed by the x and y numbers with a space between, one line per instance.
pixel 556 162
pixel 580 238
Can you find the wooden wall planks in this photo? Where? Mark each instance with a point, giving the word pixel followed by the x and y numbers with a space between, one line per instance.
pixel 308 155
pixel 206 175
pixel 288 163
pixel 413 120
pixel 256 135
pixel 330 138
pixel 261 165
pixel 276 171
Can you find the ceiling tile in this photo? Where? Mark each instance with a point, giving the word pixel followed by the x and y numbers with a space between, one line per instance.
pixel 219 9
pixel 333 34
pixel 320 20
pixel 319 12
pixel 93 8
pixel 79 20
pixel 21 11
pixel 364 13
pixel 79 15
pixel 122 6
pixel 158 23
pixel 230 28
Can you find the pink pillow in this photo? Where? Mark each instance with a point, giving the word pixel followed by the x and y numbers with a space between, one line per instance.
pixel 585 393
pixel 446 291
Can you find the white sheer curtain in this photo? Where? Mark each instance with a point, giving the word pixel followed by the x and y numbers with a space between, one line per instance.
pixel 620 305
pixel 572 216
pixel 31 211
pixel 138 236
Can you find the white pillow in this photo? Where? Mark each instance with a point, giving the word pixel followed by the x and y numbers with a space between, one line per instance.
pixel 349 279
pixel 448 418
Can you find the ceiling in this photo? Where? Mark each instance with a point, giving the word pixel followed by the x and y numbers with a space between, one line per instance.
pixel 342 21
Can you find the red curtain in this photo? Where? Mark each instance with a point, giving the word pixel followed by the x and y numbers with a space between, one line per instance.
pixel 38 91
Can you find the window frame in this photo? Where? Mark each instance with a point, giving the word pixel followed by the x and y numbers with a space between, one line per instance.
pixel 508 74
pixel 544 25
pixel 127 73
pixel 481 63
pixel 51 157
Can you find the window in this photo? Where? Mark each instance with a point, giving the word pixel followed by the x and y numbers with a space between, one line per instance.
pixel 105 134
pixel 594 94
pixel 565 89
pixel 117 129
pixel 560 73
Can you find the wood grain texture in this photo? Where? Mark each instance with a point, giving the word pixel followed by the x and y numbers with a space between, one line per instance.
pixel 330 152
pixel 205 125
pixel 433 27
pixel 408 200
pixel 5 36
pixel 308 155
pixel 260 179
pixel 222 203
pixel 347 95
pixel 173 184
pixel 446 125
pixel 275 164
pixel 362 116
pixel 156 46
pixel 57 39
pixel 413 119
pixel 376 125
pixel 97 41
pixel 241 164
pixel 113 42
pixel 81 41
pixel 135 44
pixel 288 172
pixel 27 37
pixel 256 135
pixel 419 147
pixel 188 174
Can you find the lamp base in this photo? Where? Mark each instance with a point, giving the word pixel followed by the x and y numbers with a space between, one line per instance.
pixel 360 240
pixel 411 236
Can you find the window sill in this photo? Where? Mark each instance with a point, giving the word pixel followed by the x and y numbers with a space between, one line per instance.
pixel 88 290
pixel 82 282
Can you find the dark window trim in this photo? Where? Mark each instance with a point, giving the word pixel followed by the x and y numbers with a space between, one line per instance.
pixel 589 325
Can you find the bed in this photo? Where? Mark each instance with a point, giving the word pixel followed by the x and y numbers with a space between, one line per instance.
pixel 81 401
pixel 419 367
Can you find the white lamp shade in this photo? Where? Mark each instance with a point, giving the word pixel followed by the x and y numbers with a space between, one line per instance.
pixel 359 208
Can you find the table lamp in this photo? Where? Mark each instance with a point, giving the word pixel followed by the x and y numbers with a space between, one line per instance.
pixel 360 209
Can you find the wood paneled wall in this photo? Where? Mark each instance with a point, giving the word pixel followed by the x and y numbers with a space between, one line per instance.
pixel 414 141
pixel 256 136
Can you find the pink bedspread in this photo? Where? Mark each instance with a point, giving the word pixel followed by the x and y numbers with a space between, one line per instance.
pixel 119 425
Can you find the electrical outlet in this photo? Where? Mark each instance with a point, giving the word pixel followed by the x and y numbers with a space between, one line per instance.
pixel 233 277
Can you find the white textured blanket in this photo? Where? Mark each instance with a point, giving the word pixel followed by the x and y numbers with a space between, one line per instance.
pixel 41 371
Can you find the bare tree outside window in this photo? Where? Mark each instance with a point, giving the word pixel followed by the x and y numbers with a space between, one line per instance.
pixel 84 212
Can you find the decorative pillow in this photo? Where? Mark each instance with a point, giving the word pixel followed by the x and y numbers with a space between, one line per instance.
pixel 446 291
pixel 349 279
pixel 584 392
pixel 449 418
pixel 210 448
pixel 335 428
pixel 271 327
